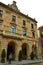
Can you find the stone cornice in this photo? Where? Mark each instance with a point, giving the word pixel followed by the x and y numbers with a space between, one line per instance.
pixel 6 6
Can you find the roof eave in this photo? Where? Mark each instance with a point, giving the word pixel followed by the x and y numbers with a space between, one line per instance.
pixel 17 11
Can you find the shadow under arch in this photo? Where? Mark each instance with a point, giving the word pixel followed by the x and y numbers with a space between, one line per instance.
pixel 24 50
pixel 11 50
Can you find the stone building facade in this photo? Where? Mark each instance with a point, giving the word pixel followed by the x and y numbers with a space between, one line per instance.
pixel 17 31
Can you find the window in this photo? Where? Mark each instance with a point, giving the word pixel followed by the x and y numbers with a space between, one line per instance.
pixel 24 22
pixel 13 29
pixel 33 34
pixel 0 25
pixel 24 32
pixel 42 32
pixel 32 26
pixel 1 12
pixel 13 18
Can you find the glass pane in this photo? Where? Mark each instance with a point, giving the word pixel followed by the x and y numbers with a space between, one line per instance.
pixel 1 12
pixel 0 25
pixel 13 29
pixel 24 32
pixel 13 18
pixel 24 23
pixel 33 34
pixel 32 26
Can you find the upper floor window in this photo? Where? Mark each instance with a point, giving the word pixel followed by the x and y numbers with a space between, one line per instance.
pixel 33 34
pixel 42 32
pixel 32 26
pixel 13 29
pixel 0 25
pixel 14 18
pixel 1 12
pixel 24 32
pixel 24 22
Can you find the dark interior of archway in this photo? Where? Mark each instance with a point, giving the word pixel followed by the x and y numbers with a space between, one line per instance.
pixel 24 51
pixel 10 50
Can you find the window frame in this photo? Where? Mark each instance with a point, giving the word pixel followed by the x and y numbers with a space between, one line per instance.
pixel 13 29
pixel 24 32
pixel 24 22
pixel 32 26
pixel 13 18
pixel 1 25
pixel 42 32
pixel 1 12
pixel 33 34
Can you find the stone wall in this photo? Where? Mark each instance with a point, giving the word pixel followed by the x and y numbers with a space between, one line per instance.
pixel 6 36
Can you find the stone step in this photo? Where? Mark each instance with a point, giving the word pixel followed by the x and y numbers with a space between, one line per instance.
pixel 24 62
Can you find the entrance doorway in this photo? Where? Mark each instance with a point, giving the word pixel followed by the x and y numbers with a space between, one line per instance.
pixel 11 50
pixel 24 51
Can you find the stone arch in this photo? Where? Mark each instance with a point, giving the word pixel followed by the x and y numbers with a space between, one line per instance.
pixel 11 49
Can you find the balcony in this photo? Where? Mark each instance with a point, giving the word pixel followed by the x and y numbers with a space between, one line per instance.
pixel 14 23
pixel 12 35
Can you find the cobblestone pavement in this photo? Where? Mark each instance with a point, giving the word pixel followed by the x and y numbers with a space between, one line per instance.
pixel 24 62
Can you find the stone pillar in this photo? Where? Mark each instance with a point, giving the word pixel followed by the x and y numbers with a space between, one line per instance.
pixel 6 52
pixel 29 51
pixel 17 49
pixel 37 51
